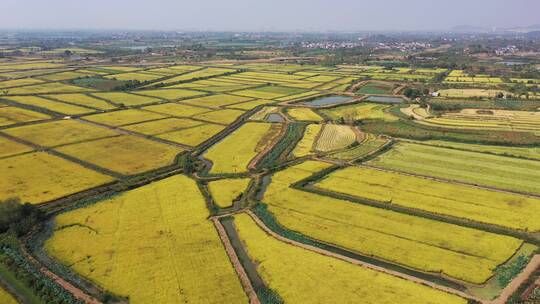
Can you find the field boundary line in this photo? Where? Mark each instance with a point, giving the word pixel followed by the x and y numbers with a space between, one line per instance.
pixel 364 264
pixel 242 275
pixel 513 286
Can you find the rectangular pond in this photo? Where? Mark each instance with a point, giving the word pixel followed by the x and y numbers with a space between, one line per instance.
pixel 327 100
pixel 385 99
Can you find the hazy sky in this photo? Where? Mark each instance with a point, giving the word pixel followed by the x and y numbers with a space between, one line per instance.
pixel 255 15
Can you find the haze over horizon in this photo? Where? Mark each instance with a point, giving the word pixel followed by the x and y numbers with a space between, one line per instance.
pixel 277 15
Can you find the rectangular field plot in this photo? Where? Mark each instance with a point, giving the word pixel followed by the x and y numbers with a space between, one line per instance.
pixel 9 147
pixel 293 272
pixel 58 107
pixel 51 87
pixel 41 177
pixel 216 101
pixel 207 72
pixel 138 76
pixel 162 126
pixel 179 110
pixel 269 92
pixel 501 172
pixel 170 94
pixel 157 239
pixel 193 136
pixel 61 132
pixel 306 144
pixel 124 117
pixel 463 253
pixel 126 98
pixel 225 191
pixel 233 154
pixel 18 82
pixel 83 100
pixel 492 207
pixel 125 154
pixel 304 114
pixel 524 152
pixel 13 115
pixel 226 116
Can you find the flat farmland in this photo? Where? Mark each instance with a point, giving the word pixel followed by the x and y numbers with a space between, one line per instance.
pixel 50 87
pixel 83 100
pixel 60 132
pixel 217 101
pixel 233 154
pixel 462 253
pixel 171 94
pixel 225 191
pixel 161 126
pixel 306 144
pixel 24 177
pixel 9 147
pixel 304 114
pixel 335 137
pixel 225 116
pixel 269 92
pixel 126 98
pixel 112 243
pixel 471 167
pixel 124 154
pixel 58 107
pixel 524 152
pixel 193 136
pixel 486 206
pixel 13 115
pixel 294 272
pixel 124 117
pixel 359 111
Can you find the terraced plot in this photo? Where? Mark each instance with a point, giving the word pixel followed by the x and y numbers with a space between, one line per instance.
pixel 463 253
pixel 23 176
pixel 233 154
pixel 492 207
pixel 124 154
pixel 471 167
pixel 170 253
pixel 302 276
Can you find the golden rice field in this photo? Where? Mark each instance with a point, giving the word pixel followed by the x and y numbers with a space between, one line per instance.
pixel 18 82
pixel 63 76
pixel 335 137
pixel 138 76
pixel 470 93
pixel 50 87
pixel 170 253
pixel 9 147
pixel 269 92
pixel 206 72
pixel 521 121
pixel 500 172
pixel 225 116
pixel 225 191
pixel 58 107
pixel 369 145
pixel 83 100
pixel 59 132
pixel 304 114
pixel 126 99
pixel 179 110
pixel 62 178
pixel 161 126
pixel 306 144
pixel 13 115
pixel 302 276
pixel 193 136
pixel 233 154
pixel 462 253
pixel 124 117
pixel 170 94
pixel 360 111
pixel 250 104
pixel 124 154
pixel 6 297
pixel 264 112
pixel 216 101
pixel 491 207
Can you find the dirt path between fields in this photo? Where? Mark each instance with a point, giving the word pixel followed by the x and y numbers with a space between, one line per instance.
pixel 76 292
pixel 363 264
pixel 511 288
pixel 242 275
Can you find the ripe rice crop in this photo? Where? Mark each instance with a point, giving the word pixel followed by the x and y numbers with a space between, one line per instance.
pixel 224 191
pixel 170 94
pixel 491 207
pixel 126 99
pixel 40 177
pixel 335 137
pixel 83 100
pixel 193 136
pixel 476 168
pixel 124 154
pixel 124 117
pixel 180 110
pixel 305 114
pixel 225 116
pixel 305 145
pixel 371 144
pixel 51 87
pixel 524 152
pixel 139 76
pixel 293 272
pixel 151 244
pixel 360 111
pixel 60 132
pixel 268 92
pixel 18 82
pixel 233 154
pixel 58 107
pixel 216 101
pixel 9 147
pixel 6 297
pixel 161 126
pixel 463 253
pixel 12 115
